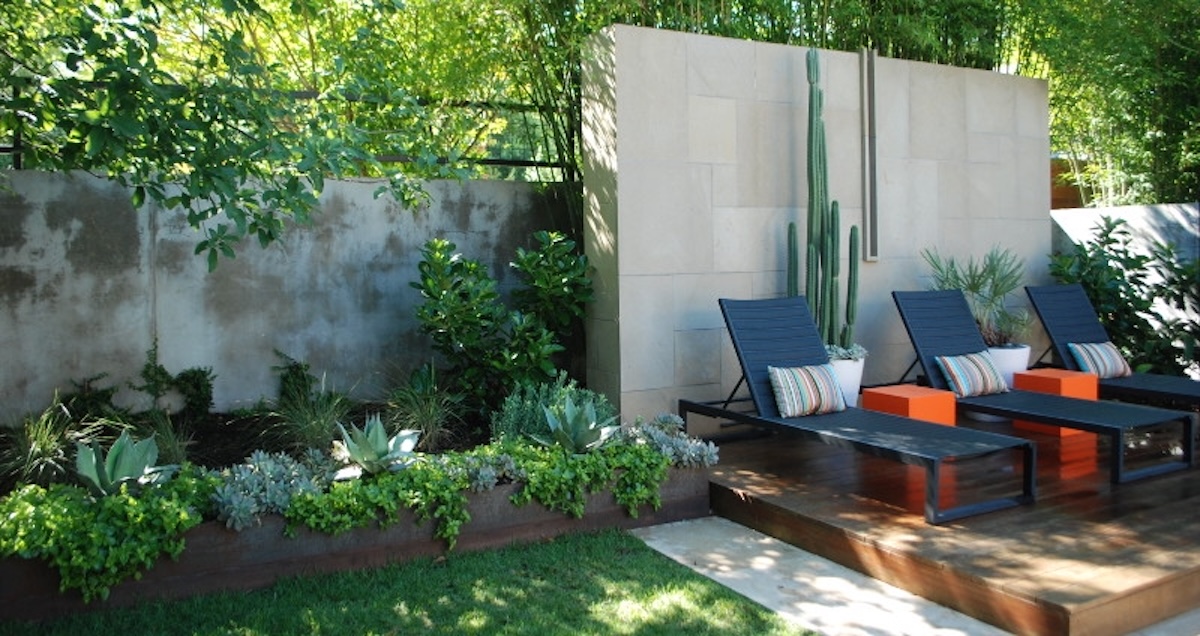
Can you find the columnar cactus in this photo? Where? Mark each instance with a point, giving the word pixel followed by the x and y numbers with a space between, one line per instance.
pixel 823 245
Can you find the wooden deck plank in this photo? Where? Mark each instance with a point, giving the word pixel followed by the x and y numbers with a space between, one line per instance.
pixel 1089 557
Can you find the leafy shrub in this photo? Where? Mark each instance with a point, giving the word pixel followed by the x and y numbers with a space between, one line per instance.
pixel 491 348
pixel 556 280
pixel 294 376
pixel 156 380
pixel 1124 284
pixel 196 387
pixel 88 401
pixel 522 412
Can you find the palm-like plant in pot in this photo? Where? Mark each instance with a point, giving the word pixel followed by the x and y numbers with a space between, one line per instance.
pixel 987 284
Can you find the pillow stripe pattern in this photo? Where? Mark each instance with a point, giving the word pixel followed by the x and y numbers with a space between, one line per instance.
pixel 972 374
pixel 810 390
pixel 1100 358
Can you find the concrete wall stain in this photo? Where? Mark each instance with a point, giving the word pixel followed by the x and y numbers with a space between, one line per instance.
pixel 82 296
pixel 15 284
pixel 14 210
pixel 100 228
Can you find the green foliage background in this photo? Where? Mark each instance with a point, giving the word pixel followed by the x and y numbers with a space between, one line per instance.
pixel 237 110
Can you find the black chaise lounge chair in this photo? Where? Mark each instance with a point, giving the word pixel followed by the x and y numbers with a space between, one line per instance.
pixel 780 333
pixel 940 324
pixel 1069 318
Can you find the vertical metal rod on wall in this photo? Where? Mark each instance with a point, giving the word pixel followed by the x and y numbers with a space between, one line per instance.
pixel 16 153
pixel 870 235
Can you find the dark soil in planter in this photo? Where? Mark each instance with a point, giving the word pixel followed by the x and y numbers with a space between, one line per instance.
pixel 220 439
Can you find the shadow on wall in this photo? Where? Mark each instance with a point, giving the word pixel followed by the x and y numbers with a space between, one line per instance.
pixel 1176 224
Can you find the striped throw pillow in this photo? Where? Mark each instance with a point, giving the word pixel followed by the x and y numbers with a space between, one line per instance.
pixel 808 390
pixel 1100 358
pixel 972 374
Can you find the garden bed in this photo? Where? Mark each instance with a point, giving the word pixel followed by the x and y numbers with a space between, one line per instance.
pixel 218 559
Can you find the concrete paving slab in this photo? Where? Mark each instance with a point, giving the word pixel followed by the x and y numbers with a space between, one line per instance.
pixel 821 595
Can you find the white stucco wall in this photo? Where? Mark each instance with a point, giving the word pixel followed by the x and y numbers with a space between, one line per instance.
pixel 694 164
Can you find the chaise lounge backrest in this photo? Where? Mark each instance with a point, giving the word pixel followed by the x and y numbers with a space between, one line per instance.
pixel 1068 316
pixel 939 323
pixel 776 332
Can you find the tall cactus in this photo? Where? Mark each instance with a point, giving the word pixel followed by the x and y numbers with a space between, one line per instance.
pixel 824 243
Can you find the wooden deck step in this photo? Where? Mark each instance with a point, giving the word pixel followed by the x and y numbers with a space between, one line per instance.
pixel 1088 558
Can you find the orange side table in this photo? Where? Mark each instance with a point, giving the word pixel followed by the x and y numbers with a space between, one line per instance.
pixel 910 400
pixel 1075 451
pixel 918 403
pixel 1056 382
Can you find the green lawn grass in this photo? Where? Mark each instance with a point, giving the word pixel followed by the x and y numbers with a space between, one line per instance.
pixel 602 583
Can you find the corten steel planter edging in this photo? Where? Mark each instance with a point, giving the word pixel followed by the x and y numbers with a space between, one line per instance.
pixel 218 559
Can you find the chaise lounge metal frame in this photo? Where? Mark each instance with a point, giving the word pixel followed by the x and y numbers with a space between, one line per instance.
pixel 1068 316
pixel 780 332
pixel 939 323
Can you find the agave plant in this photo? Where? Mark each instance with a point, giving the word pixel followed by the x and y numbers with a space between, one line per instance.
pixel 370 449
pixel 576 428
pixel 128 462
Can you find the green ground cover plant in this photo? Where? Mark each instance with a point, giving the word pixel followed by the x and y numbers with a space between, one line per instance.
pixel 600 583
pixel 119 514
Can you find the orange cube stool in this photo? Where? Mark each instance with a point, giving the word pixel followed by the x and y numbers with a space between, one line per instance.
pixel 918 403
pixel 1056 382
pixel 1075 451
pixel 910 400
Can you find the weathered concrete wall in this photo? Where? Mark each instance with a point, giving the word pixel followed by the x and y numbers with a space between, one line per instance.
pixel 695 155
pixel 88 284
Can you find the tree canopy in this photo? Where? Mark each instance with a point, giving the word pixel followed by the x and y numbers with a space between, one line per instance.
pixel 237 110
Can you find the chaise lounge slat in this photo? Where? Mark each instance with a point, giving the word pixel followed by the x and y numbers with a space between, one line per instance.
pixel 939 323
pixel 780 332
pixel 1069 317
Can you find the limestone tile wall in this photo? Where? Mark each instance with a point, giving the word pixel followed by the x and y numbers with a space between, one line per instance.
pixel 963 165
pixel 695 162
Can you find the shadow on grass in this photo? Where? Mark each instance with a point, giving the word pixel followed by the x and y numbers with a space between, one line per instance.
pixel 602 583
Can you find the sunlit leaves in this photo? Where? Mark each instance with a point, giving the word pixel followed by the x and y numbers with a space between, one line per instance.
pixel 202 127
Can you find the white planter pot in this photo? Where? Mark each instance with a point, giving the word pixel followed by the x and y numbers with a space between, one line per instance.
pixel 1008 361
pixel 849 374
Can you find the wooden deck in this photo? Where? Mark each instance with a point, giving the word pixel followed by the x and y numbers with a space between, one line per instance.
pixel 1088 558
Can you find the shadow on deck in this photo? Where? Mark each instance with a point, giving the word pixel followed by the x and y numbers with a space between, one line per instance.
pixel 1088 558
